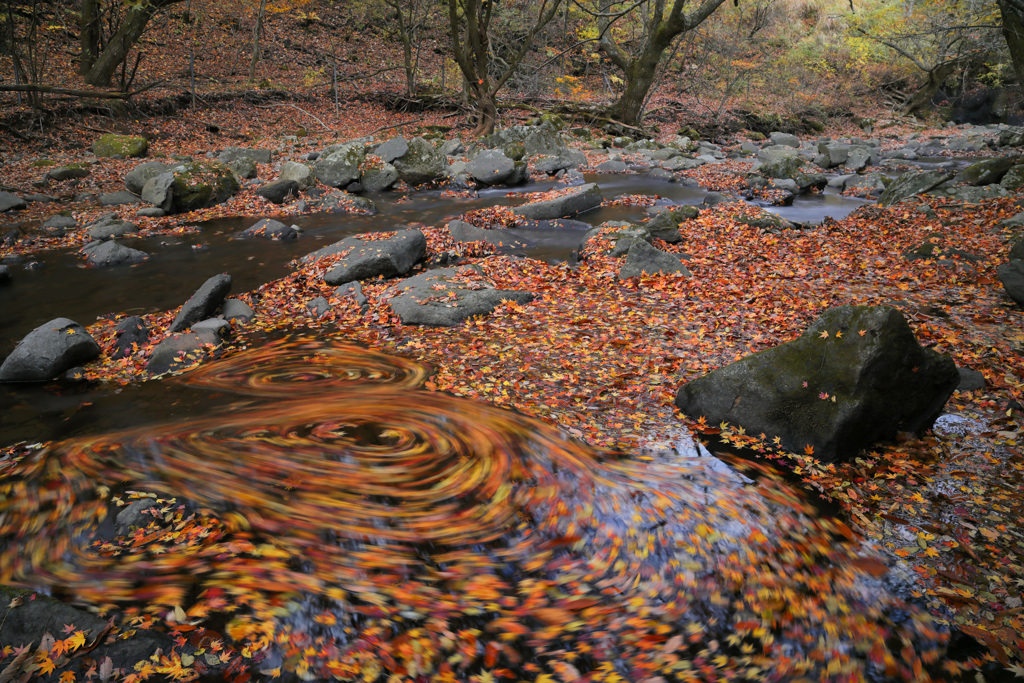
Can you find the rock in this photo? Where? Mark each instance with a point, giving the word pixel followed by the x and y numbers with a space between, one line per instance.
pixel 212 330
pixel 765 220
pixel 377 177
pixel 970 380
pixel 135 515
pixel 542 141
pixel 300 173
pixel 338 166
pixel 353 290
pixel 394 148
pixel 59 222
pixel 110 253
pixel 151 212
pixel 318 307
pixel 132 334
pixel 970 194
pixel 571 202
pixel 422 163
pixel 271 229
pixel 365 257
pixel 236 309
pixel 279 191
pixel 461 231
pixel 681 164
pixel 343 202
pixel 713 198
pixel 10 202
pixel 642 258
pixel 190 186
pixel 453 147
pixel 243 168
pixel 491 167
pixel 69 172
pixel 612 167
pixel 665 225
pixel 125 146
pixel 110 228
pixel 447 296
pixel 176 353
pixel 552 164
pixel 1012 276
pixel 1014 178
pixel 49 350
pixel 986 172
pixel 622 235
pixel 786 139
pixel 835 395
pixel 5 274
pixel 767 155
pixel 119 198
pixel 913 183
pixel 203 304
pixel 137 178
pixel 258 156
pixel 783 167
pixel 868 182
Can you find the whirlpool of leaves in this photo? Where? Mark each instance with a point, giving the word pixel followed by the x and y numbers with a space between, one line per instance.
pixel 347 524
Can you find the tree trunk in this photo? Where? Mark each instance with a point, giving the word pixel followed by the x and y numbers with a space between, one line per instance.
pixel 487 113
pixel 121 43
pixel 1013 32
pixel 89 35
pixel 922 99
pixel 256 41
pixel 629 107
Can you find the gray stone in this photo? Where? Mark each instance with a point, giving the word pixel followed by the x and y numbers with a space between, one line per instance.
pixel 110 253
pixel 69 172
pixel 394 148
pixel 132 335
pixel 278 191
pixel 243 168
pixel 354 291
pixel 338 166
pixel 203 304
pixel 611 167
pixel 453 147
pixel 1014 178
pixel 772 153
pixel 236 309
pixel 858 158
pixel 177 352
pixel 212 330
pixel 105 230
pixel 622 237
pixel 491 167
pixel 574 201
pixel 835 395
pixel 784 167
pixel 970 380
pixel 151 212
pixel 364 257
pixel 10 202
pixel 1012 276
pixel 913 183
pixel 119 198
pixel 552 164
pixel 461 231
pixel 785 139
pixel 422 163
pixel 376 178
pixel 137 178
pixel 60 222
pixel 230 154
pixel 681 163
pixel 642 258
pixel 270 229
pixel 48 351
pixel 542 141
pixel 665 225
pixel 712 198
pixel 318 307
pixel 300 173
pixel 987 171
pixel 444 298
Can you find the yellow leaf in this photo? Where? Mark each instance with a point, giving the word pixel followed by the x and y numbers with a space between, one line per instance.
pixel 75 641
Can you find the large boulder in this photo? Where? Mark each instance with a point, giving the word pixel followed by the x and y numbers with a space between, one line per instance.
pixel 191 185
pixel 338 166
pixel 987 172
pixel 569 203
pixel 137 178
pixel 110 253
pixel 109 227
pixel 856 376
pixel 279 191
pixel 491 167
pixel 542 141
pixel 644 259
pixel 203 304
pixel 178 352
pixel 231 154
pixel 300 173
pixel 394 148
pixel 132 335
pixel 377 175
pixel 364 257
pixel 48 351
pixel 68 172
pixel 113 145
pixel 447 296
pixel 913 183
pixel 422 163
pixel 1012 276
pixel 9 201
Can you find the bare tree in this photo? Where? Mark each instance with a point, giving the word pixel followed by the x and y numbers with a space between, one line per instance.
pixel 409 18
pixel 470 24
pixel 660 23
pixel 104 59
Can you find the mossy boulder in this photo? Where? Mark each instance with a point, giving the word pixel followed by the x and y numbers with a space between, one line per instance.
pixel 111 145
pixel 338 166
pixel 198 185
pixel 422 163
pixel 913 183
pixel 987 172
pixel 1014 178
pixel 855 377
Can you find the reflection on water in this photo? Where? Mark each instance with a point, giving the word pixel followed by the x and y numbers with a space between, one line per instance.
pixel 335 509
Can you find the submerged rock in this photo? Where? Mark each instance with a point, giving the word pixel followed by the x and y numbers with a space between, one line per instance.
pixel 110 253
pixel 48 351
pixel 834 394
pixel 447 296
